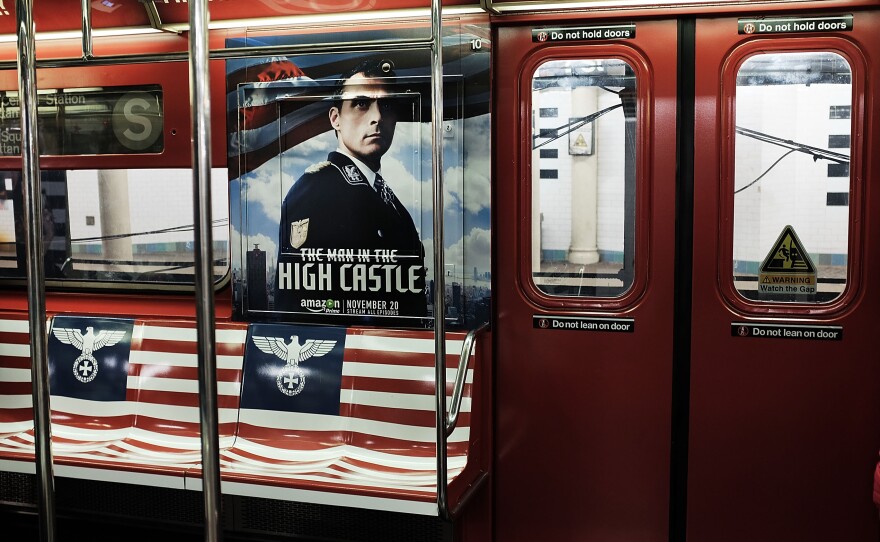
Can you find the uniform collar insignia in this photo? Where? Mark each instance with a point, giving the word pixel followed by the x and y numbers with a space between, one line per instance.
pixel 353 174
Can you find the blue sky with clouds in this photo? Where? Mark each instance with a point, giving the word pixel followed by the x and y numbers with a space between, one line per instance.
pixel 407 168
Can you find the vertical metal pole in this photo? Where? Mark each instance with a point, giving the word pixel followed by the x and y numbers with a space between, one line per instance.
pixel 200 105
pixel 86 30
pixel 36 273
pixel 439 261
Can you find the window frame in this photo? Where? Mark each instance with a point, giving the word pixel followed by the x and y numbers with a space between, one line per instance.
pixel 644 100
pixel 85 283
pixel 729 70
pixel 172 81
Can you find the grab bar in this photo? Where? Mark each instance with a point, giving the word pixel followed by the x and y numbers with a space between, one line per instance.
pixel 458 388
pixel 200 107
pixel 36 273
pixel 439 285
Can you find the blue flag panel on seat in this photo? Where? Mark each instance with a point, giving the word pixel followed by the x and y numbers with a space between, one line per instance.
pixel 88 357
pixel 293 368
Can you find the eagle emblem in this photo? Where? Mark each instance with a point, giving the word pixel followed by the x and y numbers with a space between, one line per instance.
pixel 291 380
pixel 299 230
pixel 85 368
pixel 353 175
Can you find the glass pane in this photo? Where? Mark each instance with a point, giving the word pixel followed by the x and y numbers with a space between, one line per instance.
pixel 8 211
pixel 114 225
pixel 583 177
pixel 83 121
pixel 791 190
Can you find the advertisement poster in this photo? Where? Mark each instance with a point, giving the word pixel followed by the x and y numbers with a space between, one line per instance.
pixel 330 165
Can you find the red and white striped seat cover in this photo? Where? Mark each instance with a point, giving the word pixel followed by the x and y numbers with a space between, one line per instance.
pixel 380 444
pixel 371 445
pixel 164 438
pixel 16 403
pixel 153 431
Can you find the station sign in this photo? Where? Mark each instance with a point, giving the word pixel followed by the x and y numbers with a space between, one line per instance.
pixel 792 25
pixel 75 122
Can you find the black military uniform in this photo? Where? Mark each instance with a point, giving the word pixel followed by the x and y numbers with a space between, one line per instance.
pixel 333 206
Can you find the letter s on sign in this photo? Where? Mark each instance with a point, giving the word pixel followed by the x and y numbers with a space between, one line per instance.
pixel 137 121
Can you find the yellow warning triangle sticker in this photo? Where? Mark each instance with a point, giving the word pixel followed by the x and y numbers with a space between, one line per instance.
pixel 580 141
pixel 788 256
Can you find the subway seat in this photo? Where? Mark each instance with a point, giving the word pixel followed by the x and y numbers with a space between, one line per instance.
pixel 328 415
pixel 16 403
pixel 128 410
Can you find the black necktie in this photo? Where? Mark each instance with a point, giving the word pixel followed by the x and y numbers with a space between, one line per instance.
pixel 384 190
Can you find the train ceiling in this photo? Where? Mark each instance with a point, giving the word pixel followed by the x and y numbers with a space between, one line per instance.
pixel 66 17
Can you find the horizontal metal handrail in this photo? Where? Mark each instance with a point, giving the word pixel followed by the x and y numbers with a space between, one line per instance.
pixel 486 5
pixel 458 387
pixel 232 52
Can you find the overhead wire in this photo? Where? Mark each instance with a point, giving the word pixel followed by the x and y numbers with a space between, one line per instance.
pixel 793 146
pixel 173 229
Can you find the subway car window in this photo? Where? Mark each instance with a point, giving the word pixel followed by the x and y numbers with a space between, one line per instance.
pixel 792 177
pixel 8 258
pixel 83 121
pixel 112 226
pixel 583 177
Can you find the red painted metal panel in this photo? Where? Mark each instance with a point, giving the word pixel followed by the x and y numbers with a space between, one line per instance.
pixel 60 16
pixel 583 418
pixel 783 432
pixel 678 9
pixel 174 80
pixel 53 16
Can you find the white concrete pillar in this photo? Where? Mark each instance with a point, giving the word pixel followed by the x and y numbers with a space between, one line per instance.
pixel 584 187
pixel 115 215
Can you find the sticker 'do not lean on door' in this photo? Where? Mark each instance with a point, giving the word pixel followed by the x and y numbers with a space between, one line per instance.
pixel 787 273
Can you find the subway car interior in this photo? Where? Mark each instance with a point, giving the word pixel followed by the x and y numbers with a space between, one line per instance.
pixel 406 271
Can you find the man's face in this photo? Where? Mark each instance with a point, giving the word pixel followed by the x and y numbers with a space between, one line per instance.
pixel 365 121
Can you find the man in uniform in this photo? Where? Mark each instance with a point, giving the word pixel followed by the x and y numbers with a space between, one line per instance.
pixel 344 203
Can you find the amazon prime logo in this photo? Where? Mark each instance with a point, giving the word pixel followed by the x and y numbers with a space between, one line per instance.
pixel 85 367
pixel 291 380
